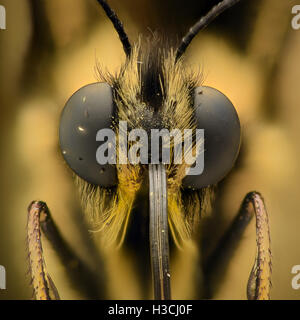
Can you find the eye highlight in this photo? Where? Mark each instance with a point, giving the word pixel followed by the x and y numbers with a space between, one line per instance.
pixel 89 109
pixel 215 113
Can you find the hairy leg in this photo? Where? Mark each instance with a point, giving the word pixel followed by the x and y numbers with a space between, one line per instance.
pixel 85 280
pixel 259 283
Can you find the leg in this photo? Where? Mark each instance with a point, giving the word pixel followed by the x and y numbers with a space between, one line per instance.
pixel 259 283
pixel 39 218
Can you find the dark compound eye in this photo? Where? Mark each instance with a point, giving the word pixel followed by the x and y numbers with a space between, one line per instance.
pixel 222 134
pixel 88 110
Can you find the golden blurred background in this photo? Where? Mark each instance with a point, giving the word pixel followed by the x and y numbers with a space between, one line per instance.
pixel 50 49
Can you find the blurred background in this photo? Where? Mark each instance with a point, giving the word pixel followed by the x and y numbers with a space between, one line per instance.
pixel 50 49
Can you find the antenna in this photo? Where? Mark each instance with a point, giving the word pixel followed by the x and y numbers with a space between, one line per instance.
pixel 117 25
pixel 202 23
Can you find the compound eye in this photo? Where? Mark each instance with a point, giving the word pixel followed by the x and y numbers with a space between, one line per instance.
pixel 222 134
pixel 89 110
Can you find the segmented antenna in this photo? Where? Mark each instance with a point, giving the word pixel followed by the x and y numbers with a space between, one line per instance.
pixel 202 23
pixel 118 26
